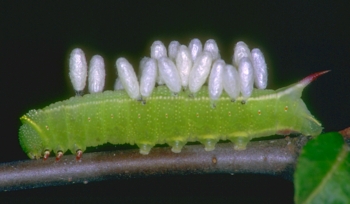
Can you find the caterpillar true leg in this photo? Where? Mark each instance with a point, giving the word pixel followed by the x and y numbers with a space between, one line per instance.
pixel 59 155
pixel 46 154
pixel 78 154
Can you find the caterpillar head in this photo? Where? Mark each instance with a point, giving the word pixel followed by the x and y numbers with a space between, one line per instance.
pixel 30 140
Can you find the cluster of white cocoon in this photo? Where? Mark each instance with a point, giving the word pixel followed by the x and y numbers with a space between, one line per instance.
pixel 78 72
pixel 179 67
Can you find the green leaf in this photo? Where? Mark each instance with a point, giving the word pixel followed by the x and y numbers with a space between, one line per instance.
pixel 323 171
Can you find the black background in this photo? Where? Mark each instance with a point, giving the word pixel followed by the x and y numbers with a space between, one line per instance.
pixel 297 39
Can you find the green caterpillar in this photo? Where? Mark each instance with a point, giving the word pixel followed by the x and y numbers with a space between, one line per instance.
pixel 165 117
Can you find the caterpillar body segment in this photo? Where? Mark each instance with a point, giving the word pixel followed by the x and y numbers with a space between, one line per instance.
pixel 112 116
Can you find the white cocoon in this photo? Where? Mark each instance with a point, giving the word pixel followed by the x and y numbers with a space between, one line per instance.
pixel 173 49
pixel 231 81
pixel 260 69
pixel 141 66
pixel 216 79
pixel 128 78
pixel 200 71
pixel 195 48
pixel 169 74
pixel 97 74
pixel 158 50
pixel 159 79
pixel 212 47
pixel 184 64
pixel 241 50
pixel 77 69
pixel 245 71
pixel 148 76
pixel 118 84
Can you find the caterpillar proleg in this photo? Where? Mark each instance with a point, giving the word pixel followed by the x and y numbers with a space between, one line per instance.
pixel 138 112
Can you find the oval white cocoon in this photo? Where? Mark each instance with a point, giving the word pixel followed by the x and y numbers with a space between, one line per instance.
pixel 231 81
pixel 184 64
pixel 200 71
pixel 159 79
pixel 158 50
pixel 212 47
pixel 97 74
pixel 77 69
pixel 245 71
pixel 260 69
pixel 173 49
pixel 241 50
pixel 169 74
pixel 216 79
pixel 128 78
pixel 148 67
pixel 195 48
pixel 118 84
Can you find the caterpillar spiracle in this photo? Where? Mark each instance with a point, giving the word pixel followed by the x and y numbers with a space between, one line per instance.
pixel 203 99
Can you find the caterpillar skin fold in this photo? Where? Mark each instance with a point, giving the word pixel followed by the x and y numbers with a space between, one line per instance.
pixel 164 117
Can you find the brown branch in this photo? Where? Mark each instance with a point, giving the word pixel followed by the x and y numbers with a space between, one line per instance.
pixel 345 133
pixel 274 157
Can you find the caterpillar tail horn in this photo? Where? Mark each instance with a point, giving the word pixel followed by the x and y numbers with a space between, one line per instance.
pixel 295 90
